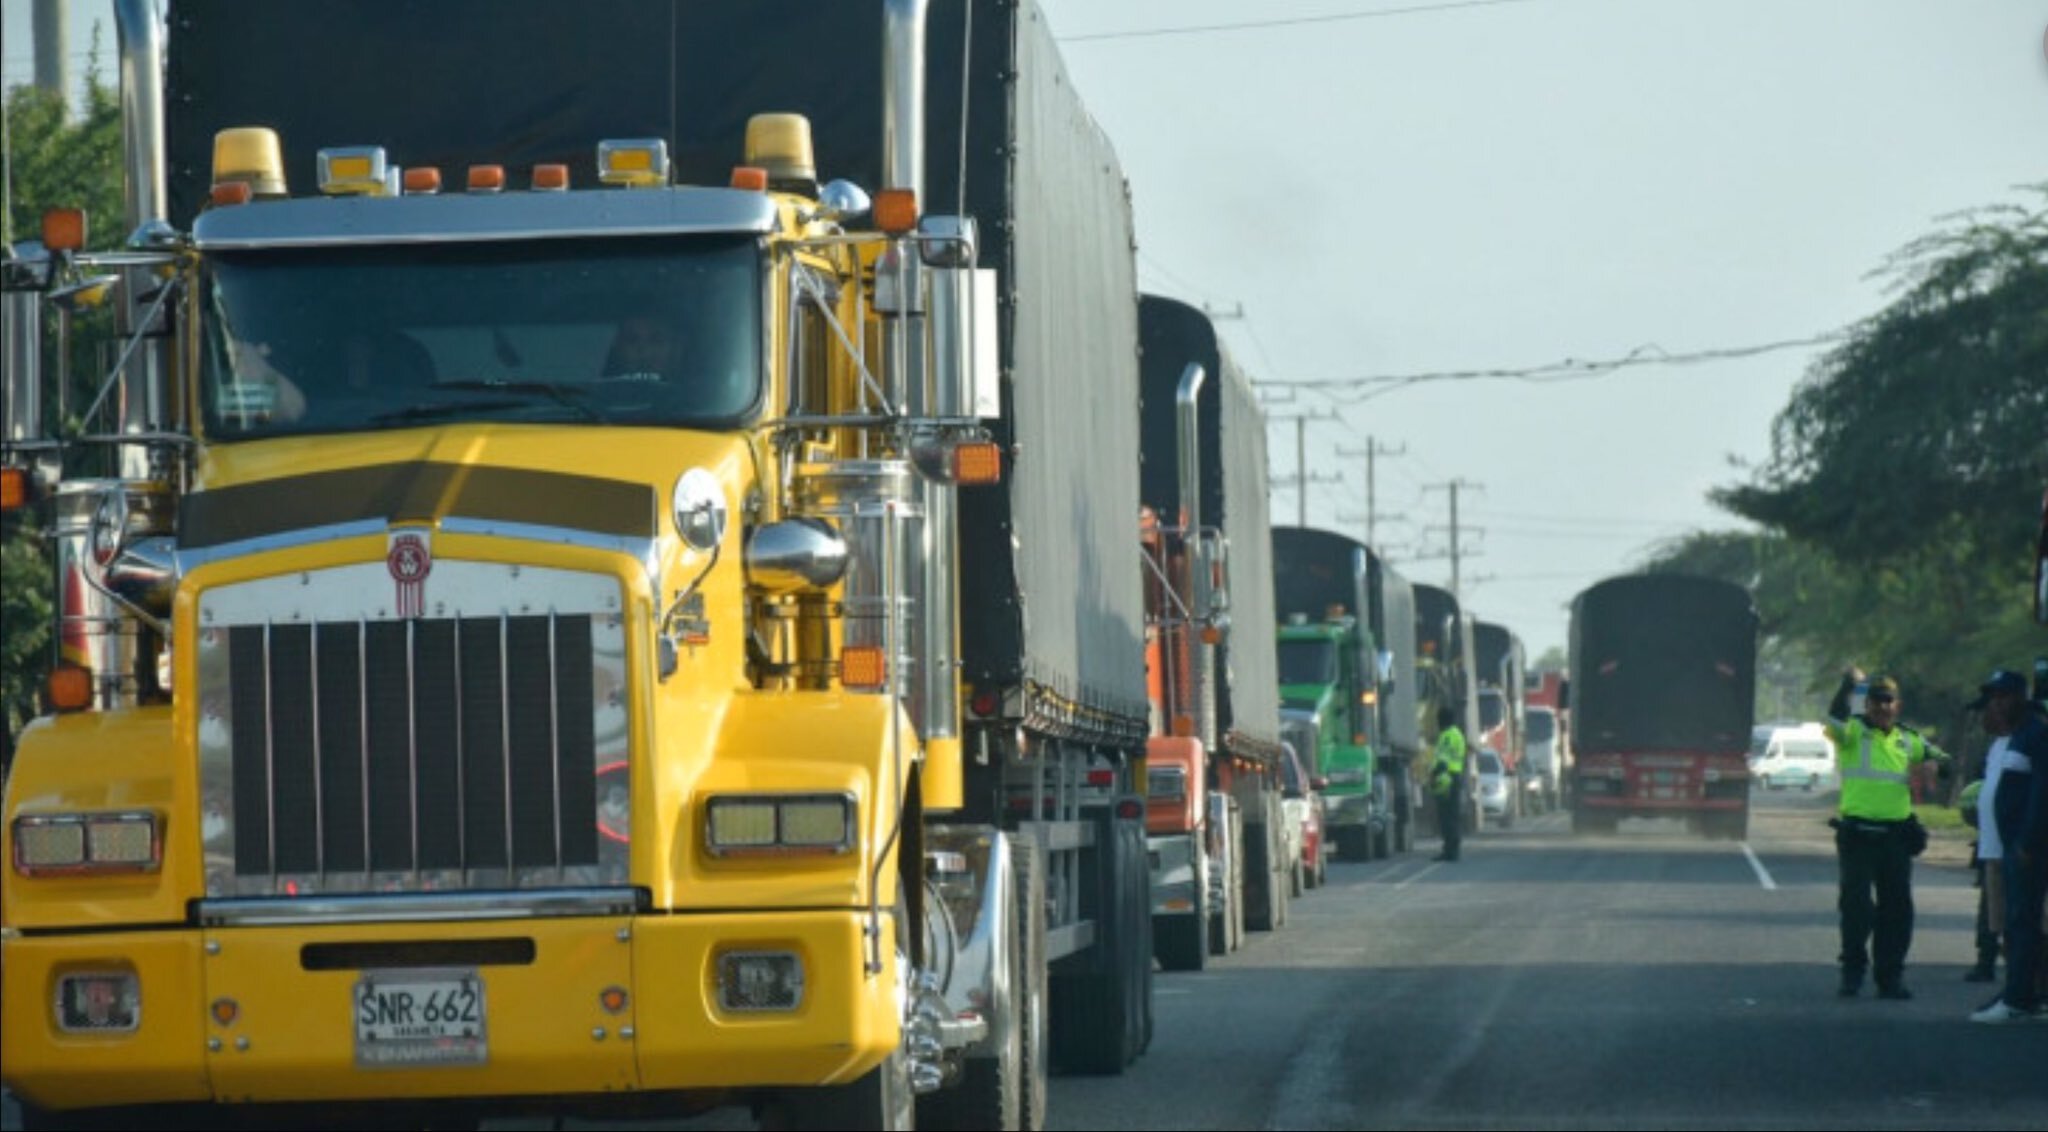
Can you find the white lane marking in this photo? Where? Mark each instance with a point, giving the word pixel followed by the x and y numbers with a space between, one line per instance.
pixel 1763 875
pixel 1425 871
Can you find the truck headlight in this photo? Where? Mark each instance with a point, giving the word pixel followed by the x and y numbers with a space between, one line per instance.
pixel 786 824
pixel 87 843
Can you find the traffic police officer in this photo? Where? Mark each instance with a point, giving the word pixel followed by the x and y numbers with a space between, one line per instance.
pixel 1876 835
pixel 1446 779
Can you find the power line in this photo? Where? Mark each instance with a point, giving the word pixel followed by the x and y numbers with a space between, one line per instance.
pixel 1293 21
pixel 1352 390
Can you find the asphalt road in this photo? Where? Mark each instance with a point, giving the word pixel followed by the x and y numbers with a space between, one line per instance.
pixel 1645 980
pixel 1642 981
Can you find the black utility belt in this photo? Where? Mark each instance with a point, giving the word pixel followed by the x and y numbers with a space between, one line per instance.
pixel 1869 825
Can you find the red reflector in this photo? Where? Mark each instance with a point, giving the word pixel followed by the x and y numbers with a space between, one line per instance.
pixel 1130 809
pixel 985 703
pixel 1101 778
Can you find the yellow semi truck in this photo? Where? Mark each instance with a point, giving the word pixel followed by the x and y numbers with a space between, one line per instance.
pixel 567 609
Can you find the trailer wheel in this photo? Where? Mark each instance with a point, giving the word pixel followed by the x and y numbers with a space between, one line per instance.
pixel 1032 998
pixel 1183 942
pixel 1262 893
pixel 1099 1016
pixel 1226 934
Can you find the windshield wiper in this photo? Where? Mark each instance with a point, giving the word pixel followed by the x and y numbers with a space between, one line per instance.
pixel 559 394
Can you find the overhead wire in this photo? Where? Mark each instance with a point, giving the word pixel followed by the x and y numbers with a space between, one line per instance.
pixel 1285 21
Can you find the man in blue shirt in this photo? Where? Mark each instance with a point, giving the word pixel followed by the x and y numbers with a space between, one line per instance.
pixel 2021 808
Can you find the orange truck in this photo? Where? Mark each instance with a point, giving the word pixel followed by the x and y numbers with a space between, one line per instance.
pixel 1222 859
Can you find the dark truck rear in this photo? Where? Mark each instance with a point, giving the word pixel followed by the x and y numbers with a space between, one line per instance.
pixel 1663 678
pixel 1444 661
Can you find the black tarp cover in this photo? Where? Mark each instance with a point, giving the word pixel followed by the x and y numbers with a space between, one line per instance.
pixel 1663 662
pixel 1234 495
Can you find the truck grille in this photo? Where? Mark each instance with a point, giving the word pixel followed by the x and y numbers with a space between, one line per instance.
pixel 412 755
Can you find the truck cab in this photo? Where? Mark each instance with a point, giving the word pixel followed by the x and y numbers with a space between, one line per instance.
pixel 1327 697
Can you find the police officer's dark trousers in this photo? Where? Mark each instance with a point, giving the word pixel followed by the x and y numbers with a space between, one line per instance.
pixel 1875 858
pixel 1449 822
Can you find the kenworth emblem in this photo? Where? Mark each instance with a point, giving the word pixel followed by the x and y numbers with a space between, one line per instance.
pixel 410 561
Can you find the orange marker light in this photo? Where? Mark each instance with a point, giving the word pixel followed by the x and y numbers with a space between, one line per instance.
pixel 64 229
pixel 486 178
pixel 225 1011
pixel 613 999
pixel 13 488
pixel 895 211
pixel 550 178
pixel 980 462
pixel 750 177
pixel 231 193
pixel 423 181
pixel 863 666
pixel 70 688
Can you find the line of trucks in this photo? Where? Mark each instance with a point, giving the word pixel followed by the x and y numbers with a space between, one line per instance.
pixel 462 709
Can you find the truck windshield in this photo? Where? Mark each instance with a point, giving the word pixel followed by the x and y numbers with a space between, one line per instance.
pixel 615 331
pixel 1308 662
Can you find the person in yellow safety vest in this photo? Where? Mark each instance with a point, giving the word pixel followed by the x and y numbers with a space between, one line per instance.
pixel 1447 780
pixel 1876 834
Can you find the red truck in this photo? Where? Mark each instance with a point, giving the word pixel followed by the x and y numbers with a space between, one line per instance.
pixel 1663 684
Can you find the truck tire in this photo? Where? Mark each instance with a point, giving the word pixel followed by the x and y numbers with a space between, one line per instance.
pixel 1227 933
pixel 1181 943
pixel 880 1099
pixel 1263 900
pixel 1034 1000
pixel 1382 840
pixel 1099 1016
pixel 990 1092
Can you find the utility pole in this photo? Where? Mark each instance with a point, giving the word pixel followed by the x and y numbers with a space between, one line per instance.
pixel 51 26
pixel 1301 479
pixel 1457 552
pixel 1373 448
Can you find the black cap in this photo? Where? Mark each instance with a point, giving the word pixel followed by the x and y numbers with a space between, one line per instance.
pixel 2003 682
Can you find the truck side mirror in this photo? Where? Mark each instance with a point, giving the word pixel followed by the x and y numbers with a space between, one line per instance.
pixel 1318 782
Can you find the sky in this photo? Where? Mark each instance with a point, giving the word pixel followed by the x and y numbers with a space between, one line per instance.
pixel 1420 187
pixel 1507 185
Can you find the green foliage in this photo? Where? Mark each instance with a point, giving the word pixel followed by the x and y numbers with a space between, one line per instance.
pixel 1928 420
pixel 53 162
pixel 1901 495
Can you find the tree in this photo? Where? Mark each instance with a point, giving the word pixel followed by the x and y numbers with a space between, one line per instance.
pixel 52 162
pixel 1905 474
pixel 1927 422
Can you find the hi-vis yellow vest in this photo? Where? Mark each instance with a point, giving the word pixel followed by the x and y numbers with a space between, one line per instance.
pixel 1450 760
pixel 1874 766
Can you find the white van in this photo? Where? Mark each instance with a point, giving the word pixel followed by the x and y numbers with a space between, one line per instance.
pixel 1796 756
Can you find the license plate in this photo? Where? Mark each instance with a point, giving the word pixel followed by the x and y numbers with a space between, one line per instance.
pixel 419 1018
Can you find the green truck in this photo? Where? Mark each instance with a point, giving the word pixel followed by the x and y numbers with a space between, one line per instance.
pixel 1347 629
